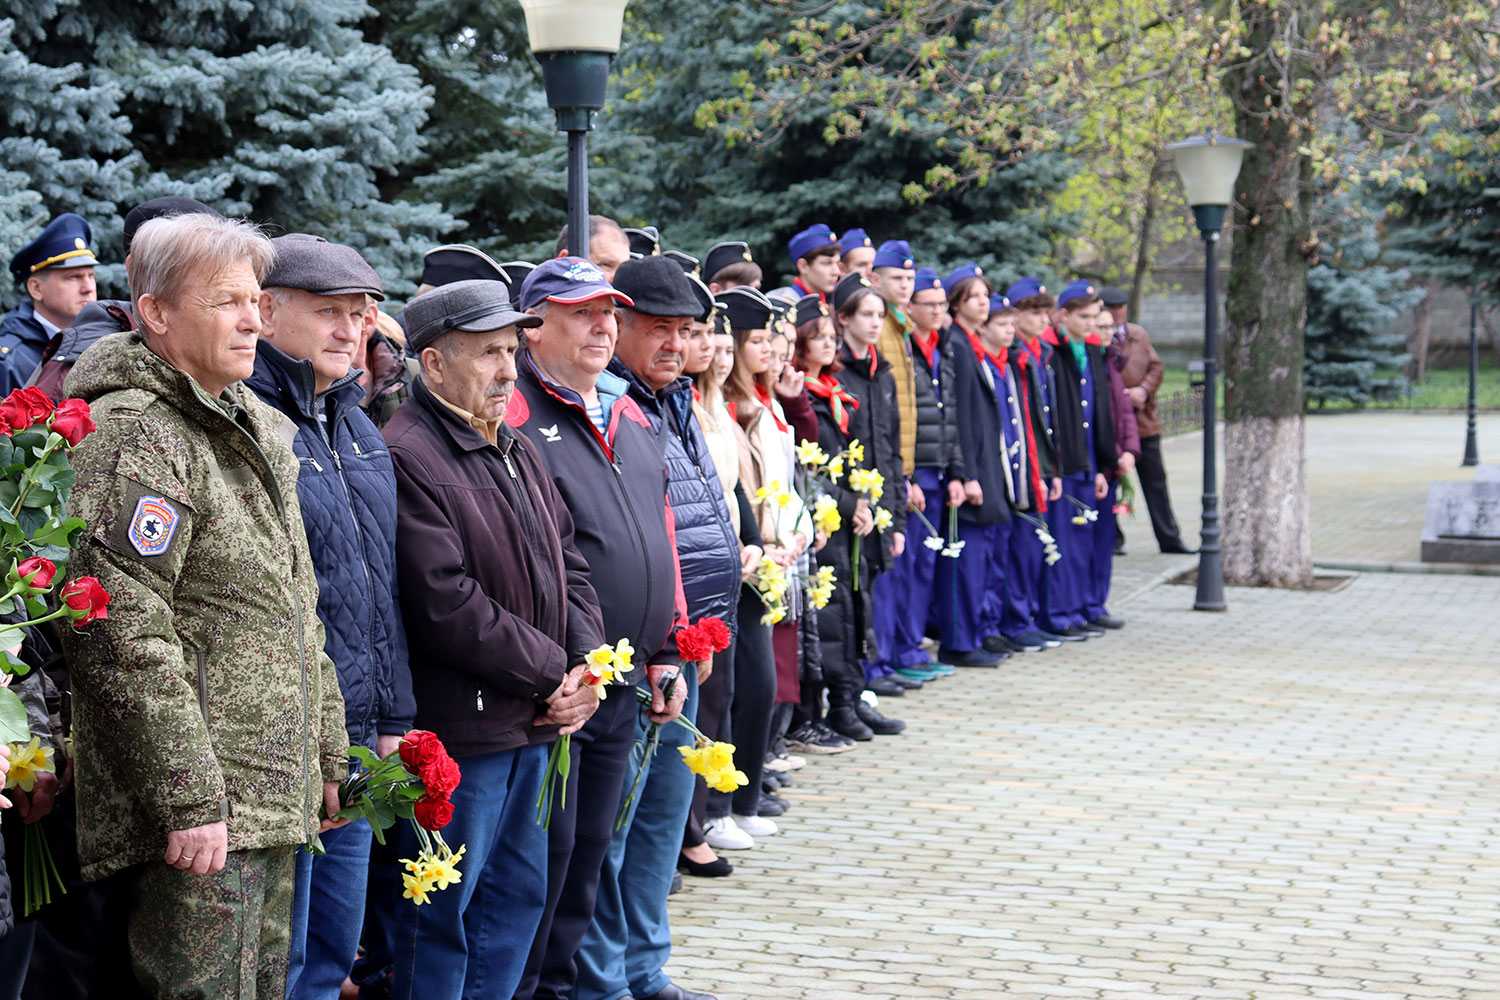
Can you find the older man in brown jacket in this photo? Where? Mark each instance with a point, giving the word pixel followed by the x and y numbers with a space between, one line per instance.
pixel 1142 377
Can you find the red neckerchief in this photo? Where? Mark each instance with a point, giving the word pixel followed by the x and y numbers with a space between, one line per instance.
pixel 874 362
pixel 1050 336
pixel 1037 490
pixel 1035 347
pixel 928 347
pixel 764 395
pixel 697 396
pixel 1093 338
pixel 981 353
pixel 734 410
pixel 840 401
pixel 797 284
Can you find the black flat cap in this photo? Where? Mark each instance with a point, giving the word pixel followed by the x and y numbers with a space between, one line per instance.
pixel 477 305
pixel 746 308
pixel 658 287
pixel 158 207
pixel 315 265
pixel 459 262
pixel 1114 297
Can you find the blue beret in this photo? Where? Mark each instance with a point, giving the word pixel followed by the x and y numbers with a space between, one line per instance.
pixel 1079 289
pixel 999 302
pixel 64 243
pixel 808 240
pixel 853 239
pixel 926 280
pixel 1025 289
pixel 894 253
pixel 969 270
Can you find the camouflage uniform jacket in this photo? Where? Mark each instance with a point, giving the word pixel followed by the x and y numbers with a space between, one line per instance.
pixel 206 693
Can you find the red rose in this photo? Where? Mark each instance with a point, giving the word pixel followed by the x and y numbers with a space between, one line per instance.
pixel 71 420
pixel 432 814
pixel 440 777
pixel 693 643
pixel 717 632
pixel 85 599
pixel 417 748
pixel 24 407
pixel 44 571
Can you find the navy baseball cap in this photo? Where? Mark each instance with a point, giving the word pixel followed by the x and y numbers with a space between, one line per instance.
pixel 63 243
pixel 568 280
pixel 813 238
pixel 1079 289
pixel 853 240
pixel 894 253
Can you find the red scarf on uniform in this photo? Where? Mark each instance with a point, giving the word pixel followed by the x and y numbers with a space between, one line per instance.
pixel 1000 358
pixel 764 395
pixel 927 344
pixel 840 401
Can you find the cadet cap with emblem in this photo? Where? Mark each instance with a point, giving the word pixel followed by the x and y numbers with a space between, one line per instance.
pixel 158 208
pixel 516 272
pixel 1079 289
pixel 1025 288
pixel 645 241
pixel 476 305
pixel 807 308
pixel 848 285
pixel 721 255
pixel 1113 297
pixel 999 303
pixel 62 243
pixel 657 287
pixel 894 253
pixel 925 280
pixel 815 237
pixel 969 270
pixel 570 280
pixel 459 262
pixel 746 308
pixel 313 264
pixel 853 239
pixel 781 310
pixel 686 261
pixel 705 298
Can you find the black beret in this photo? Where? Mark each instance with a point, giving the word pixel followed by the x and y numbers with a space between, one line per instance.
pixel 158 207
pixel 458 262
pixel 313 264
pixel 477 305
pixel 746 308
pixel 658 287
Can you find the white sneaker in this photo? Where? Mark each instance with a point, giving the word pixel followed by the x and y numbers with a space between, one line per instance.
pixel 794 763
pixel 725 835
pixel 755 826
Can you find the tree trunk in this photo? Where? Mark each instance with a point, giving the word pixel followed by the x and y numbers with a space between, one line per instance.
pixel 1143 248
pixel 1420 337
pixel 1267 525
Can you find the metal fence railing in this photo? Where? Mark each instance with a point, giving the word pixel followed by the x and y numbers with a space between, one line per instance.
pixel 1181 411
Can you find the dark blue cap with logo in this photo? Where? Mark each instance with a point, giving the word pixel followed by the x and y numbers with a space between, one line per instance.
pixel 894 253
pixel 568 280
pixel 811 239
pixel 64 243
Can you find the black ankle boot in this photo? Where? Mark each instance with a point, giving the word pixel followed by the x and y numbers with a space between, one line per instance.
pixel 879 724
pixel 843 719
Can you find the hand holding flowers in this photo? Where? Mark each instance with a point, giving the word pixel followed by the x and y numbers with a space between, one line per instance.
pixel 602 665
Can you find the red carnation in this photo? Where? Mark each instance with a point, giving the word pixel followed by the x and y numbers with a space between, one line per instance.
pixel 432 814
pixel 44 570
pixel 717 632
pixel 24 407
pixel 418 747
pixel 693 643
pixel 71 420
pixel 85 598
pixel 440 777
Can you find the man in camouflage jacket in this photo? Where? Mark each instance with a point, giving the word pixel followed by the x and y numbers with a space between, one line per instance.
pixel 205 696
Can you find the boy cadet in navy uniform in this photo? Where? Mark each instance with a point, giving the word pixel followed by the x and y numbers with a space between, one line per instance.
pixel 1083 432
pixel 56 271
pixel 857 253
pixel 815 254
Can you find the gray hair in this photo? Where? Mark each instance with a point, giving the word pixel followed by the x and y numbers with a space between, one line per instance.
pixel 170 253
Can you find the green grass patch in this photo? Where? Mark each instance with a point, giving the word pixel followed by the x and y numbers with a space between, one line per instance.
pixel 1442 389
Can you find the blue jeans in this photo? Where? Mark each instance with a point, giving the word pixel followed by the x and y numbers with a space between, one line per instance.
pixel 328 909
pixel 630 940
pixel 471 940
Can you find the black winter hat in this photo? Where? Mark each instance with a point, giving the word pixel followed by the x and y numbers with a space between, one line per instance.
pixel 658 286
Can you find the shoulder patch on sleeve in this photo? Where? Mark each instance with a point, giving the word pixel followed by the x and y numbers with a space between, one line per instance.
pixel 152 525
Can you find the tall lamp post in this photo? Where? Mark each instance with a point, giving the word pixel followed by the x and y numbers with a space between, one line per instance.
pixel 574 40
pixel 1208 166
pixel 1471 440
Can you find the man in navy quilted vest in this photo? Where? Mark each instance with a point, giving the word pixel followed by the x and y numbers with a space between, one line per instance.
pixel 312 307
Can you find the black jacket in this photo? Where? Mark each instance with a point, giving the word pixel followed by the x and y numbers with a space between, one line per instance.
pixel 979 398
pixel 877 425
pixel 615 486
pixel 939 445
pixel 1071 420
pixel 495 595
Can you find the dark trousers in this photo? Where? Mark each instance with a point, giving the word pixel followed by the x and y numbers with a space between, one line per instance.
pixel 577 840
pixel 1153 476
pixel 713 721
pixel 751 700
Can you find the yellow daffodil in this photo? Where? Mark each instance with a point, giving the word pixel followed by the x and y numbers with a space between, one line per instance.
pixel 773 492
pixel 856 451
pixel 26 762
pixel 622 656
pixel 727 780
pixel 773 616
pixel 443 868
pixel 826 515
pixel 836 469
pixel 882 519
pixel 417 884
pixel 810 455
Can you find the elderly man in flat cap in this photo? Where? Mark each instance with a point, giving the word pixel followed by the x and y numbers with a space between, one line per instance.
pixel 312 309
pixel 56 274
pixel 497 592
pixel 629 942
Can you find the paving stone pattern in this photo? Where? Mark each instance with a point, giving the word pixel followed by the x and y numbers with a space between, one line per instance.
pixel 1296 798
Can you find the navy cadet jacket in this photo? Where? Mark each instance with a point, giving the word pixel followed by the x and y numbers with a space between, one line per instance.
pixel 22 339
pixel 615 486
pixel 347 487
pixel 707 552
pixel 979 399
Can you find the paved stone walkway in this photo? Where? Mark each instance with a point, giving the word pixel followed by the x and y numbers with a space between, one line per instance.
pixel 1296 798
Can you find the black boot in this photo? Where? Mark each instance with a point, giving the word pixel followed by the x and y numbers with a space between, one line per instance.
pixel 843 719
pixel 879 724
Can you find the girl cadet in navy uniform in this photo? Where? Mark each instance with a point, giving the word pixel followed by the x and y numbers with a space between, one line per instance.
pixel 1084 434
pixel 968 630
pixel 843 623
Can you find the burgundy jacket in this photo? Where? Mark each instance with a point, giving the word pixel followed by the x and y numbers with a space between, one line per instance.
pixel 495 595
pixel 1127 430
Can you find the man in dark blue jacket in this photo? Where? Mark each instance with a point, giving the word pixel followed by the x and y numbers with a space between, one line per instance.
pixel 629 942
pixel 55 272
pixel 606 460
pixel 312 307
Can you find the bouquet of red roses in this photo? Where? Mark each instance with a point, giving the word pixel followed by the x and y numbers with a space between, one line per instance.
pixel 414 783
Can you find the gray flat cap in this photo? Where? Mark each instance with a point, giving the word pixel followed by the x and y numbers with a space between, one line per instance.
pixel 474 306
pixel 313 264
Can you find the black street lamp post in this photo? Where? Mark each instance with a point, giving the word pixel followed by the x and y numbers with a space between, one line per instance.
pixel 1471 442
pixel 1208 167
pixel 574 41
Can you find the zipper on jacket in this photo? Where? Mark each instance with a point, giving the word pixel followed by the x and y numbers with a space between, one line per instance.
pixel 364 564
pixel 534 534
pixel 479 700
pixel 640 535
